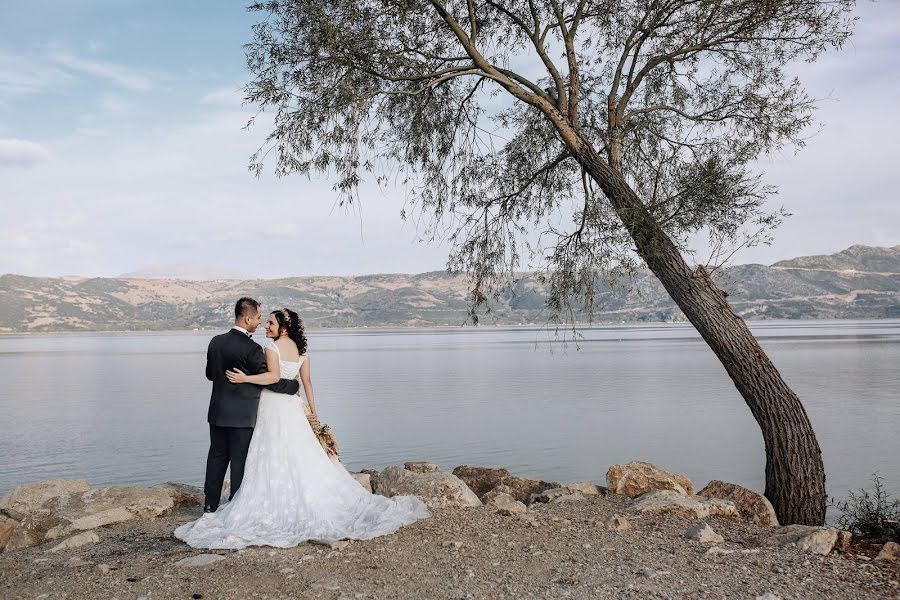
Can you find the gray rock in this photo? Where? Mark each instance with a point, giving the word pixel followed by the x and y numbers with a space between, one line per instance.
pixel 505 504
pixel 76 541
pixel 587 488
pixel 436 489
pixel 76 562
pixel 693 507
pixel 521 489
pixel 753 507
pixel 25 499
pixel 576 497
pixel 481 480
pixel 326 584
pixel 548 495
pixel 363 479
pixel 638 478
pixel 421 467
pixel 704 534
pixel 617 523
pixel 200 560
pixel 889 552
pixel 815 540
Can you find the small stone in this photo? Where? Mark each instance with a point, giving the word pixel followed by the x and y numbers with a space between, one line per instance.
pixel 649 573
pixel 196 596
pixel 843 542
pixel 587 488
pixel 103 568
pixel 453 544
pixel 718 550
pixel 548 495
pixel 76 562
pixel 286 570
pixel 326 584
pixel 768 596
pixel 200 560
pixel 704 534
pixel 308 557
pixel 889 552
pixel 617 523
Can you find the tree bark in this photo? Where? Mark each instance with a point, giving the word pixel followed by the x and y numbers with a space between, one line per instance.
pixel 795 475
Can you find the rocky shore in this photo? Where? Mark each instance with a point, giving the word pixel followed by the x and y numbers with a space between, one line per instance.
pixel 644 533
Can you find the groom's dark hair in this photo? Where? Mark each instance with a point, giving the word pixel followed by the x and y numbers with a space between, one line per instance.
pixel 244 307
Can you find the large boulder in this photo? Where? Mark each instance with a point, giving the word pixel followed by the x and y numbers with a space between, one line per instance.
pixel 638 477
pixel 104 506
pixel 421 467
pixel 28 498
pixel 32 530
pixel 436 489
pixel 183 494
pixel 807 538
pixel 521 488
pixel 373 478
pixel 693 507
pixel 753 507
pixel 62 511
pixel 480 480
pixel 7 526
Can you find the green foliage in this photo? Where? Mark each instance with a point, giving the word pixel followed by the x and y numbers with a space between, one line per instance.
pixel 482 110
pixel 871 514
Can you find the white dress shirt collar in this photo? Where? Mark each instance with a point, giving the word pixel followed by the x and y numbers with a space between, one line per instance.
pixel 242 330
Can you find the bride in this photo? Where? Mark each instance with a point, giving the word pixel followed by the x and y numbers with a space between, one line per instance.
pixel 292 491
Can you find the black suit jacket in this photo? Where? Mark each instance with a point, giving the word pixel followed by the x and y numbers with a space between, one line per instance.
pixel 235 404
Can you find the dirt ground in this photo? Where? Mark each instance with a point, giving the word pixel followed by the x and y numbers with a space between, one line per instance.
pixel 560 550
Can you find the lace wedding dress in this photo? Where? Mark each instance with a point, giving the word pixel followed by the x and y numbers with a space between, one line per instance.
pixel 293 492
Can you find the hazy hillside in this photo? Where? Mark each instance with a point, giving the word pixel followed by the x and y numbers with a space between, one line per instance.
pixel 860 282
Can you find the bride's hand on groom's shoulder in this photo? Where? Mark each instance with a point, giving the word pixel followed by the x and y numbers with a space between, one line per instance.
pixel 236 376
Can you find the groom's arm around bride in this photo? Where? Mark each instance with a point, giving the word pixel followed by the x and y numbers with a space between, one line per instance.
pixel 232 407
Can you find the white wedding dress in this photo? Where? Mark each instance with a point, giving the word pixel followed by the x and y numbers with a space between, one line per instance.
pixel 293 492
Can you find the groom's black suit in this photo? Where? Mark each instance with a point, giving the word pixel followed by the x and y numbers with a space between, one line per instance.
pixel 232 408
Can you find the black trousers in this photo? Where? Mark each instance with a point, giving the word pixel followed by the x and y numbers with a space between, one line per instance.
pixel 226 445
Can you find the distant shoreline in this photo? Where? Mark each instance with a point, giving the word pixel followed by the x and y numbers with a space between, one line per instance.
pixel 467 326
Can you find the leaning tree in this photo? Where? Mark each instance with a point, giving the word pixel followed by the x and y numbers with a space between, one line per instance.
pixel 579 132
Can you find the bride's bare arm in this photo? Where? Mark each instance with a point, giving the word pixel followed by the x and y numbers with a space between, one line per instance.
pixel 272 374
pixel 306 379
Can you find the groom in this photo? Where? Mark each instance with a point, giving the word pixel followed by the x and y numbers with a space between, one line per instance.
pixel 232 407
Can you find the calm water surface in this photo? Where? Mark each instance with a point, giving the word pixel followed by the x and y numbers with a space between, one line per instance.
pixel 126 408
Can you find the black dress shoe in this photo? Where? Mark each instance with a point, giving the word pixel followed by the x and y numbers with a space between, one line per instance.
pixel 207 508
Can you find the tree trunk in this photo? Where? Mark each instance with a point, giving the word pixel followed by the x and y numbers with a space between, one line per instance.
pixel 795 475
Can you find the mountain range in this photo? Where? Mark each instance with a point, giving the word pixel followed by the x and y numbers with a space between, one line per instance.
pixel 860 282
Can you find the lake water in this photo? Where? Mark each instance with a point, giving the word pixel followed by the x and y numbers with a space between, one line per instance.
pixel 129 408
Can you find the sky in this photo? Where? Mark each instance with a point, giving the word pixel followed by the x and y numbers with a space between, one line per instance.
pixel 122 147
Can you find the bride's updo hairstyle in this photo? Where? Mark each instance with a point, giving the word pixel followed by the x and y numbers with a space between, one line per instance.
pixel 293 325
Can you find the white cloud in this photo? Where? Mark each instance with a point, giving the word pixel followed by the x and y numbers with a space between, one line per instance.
pixel 118 74
pixel 230 96
pixel 21 76
pixel 21 153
